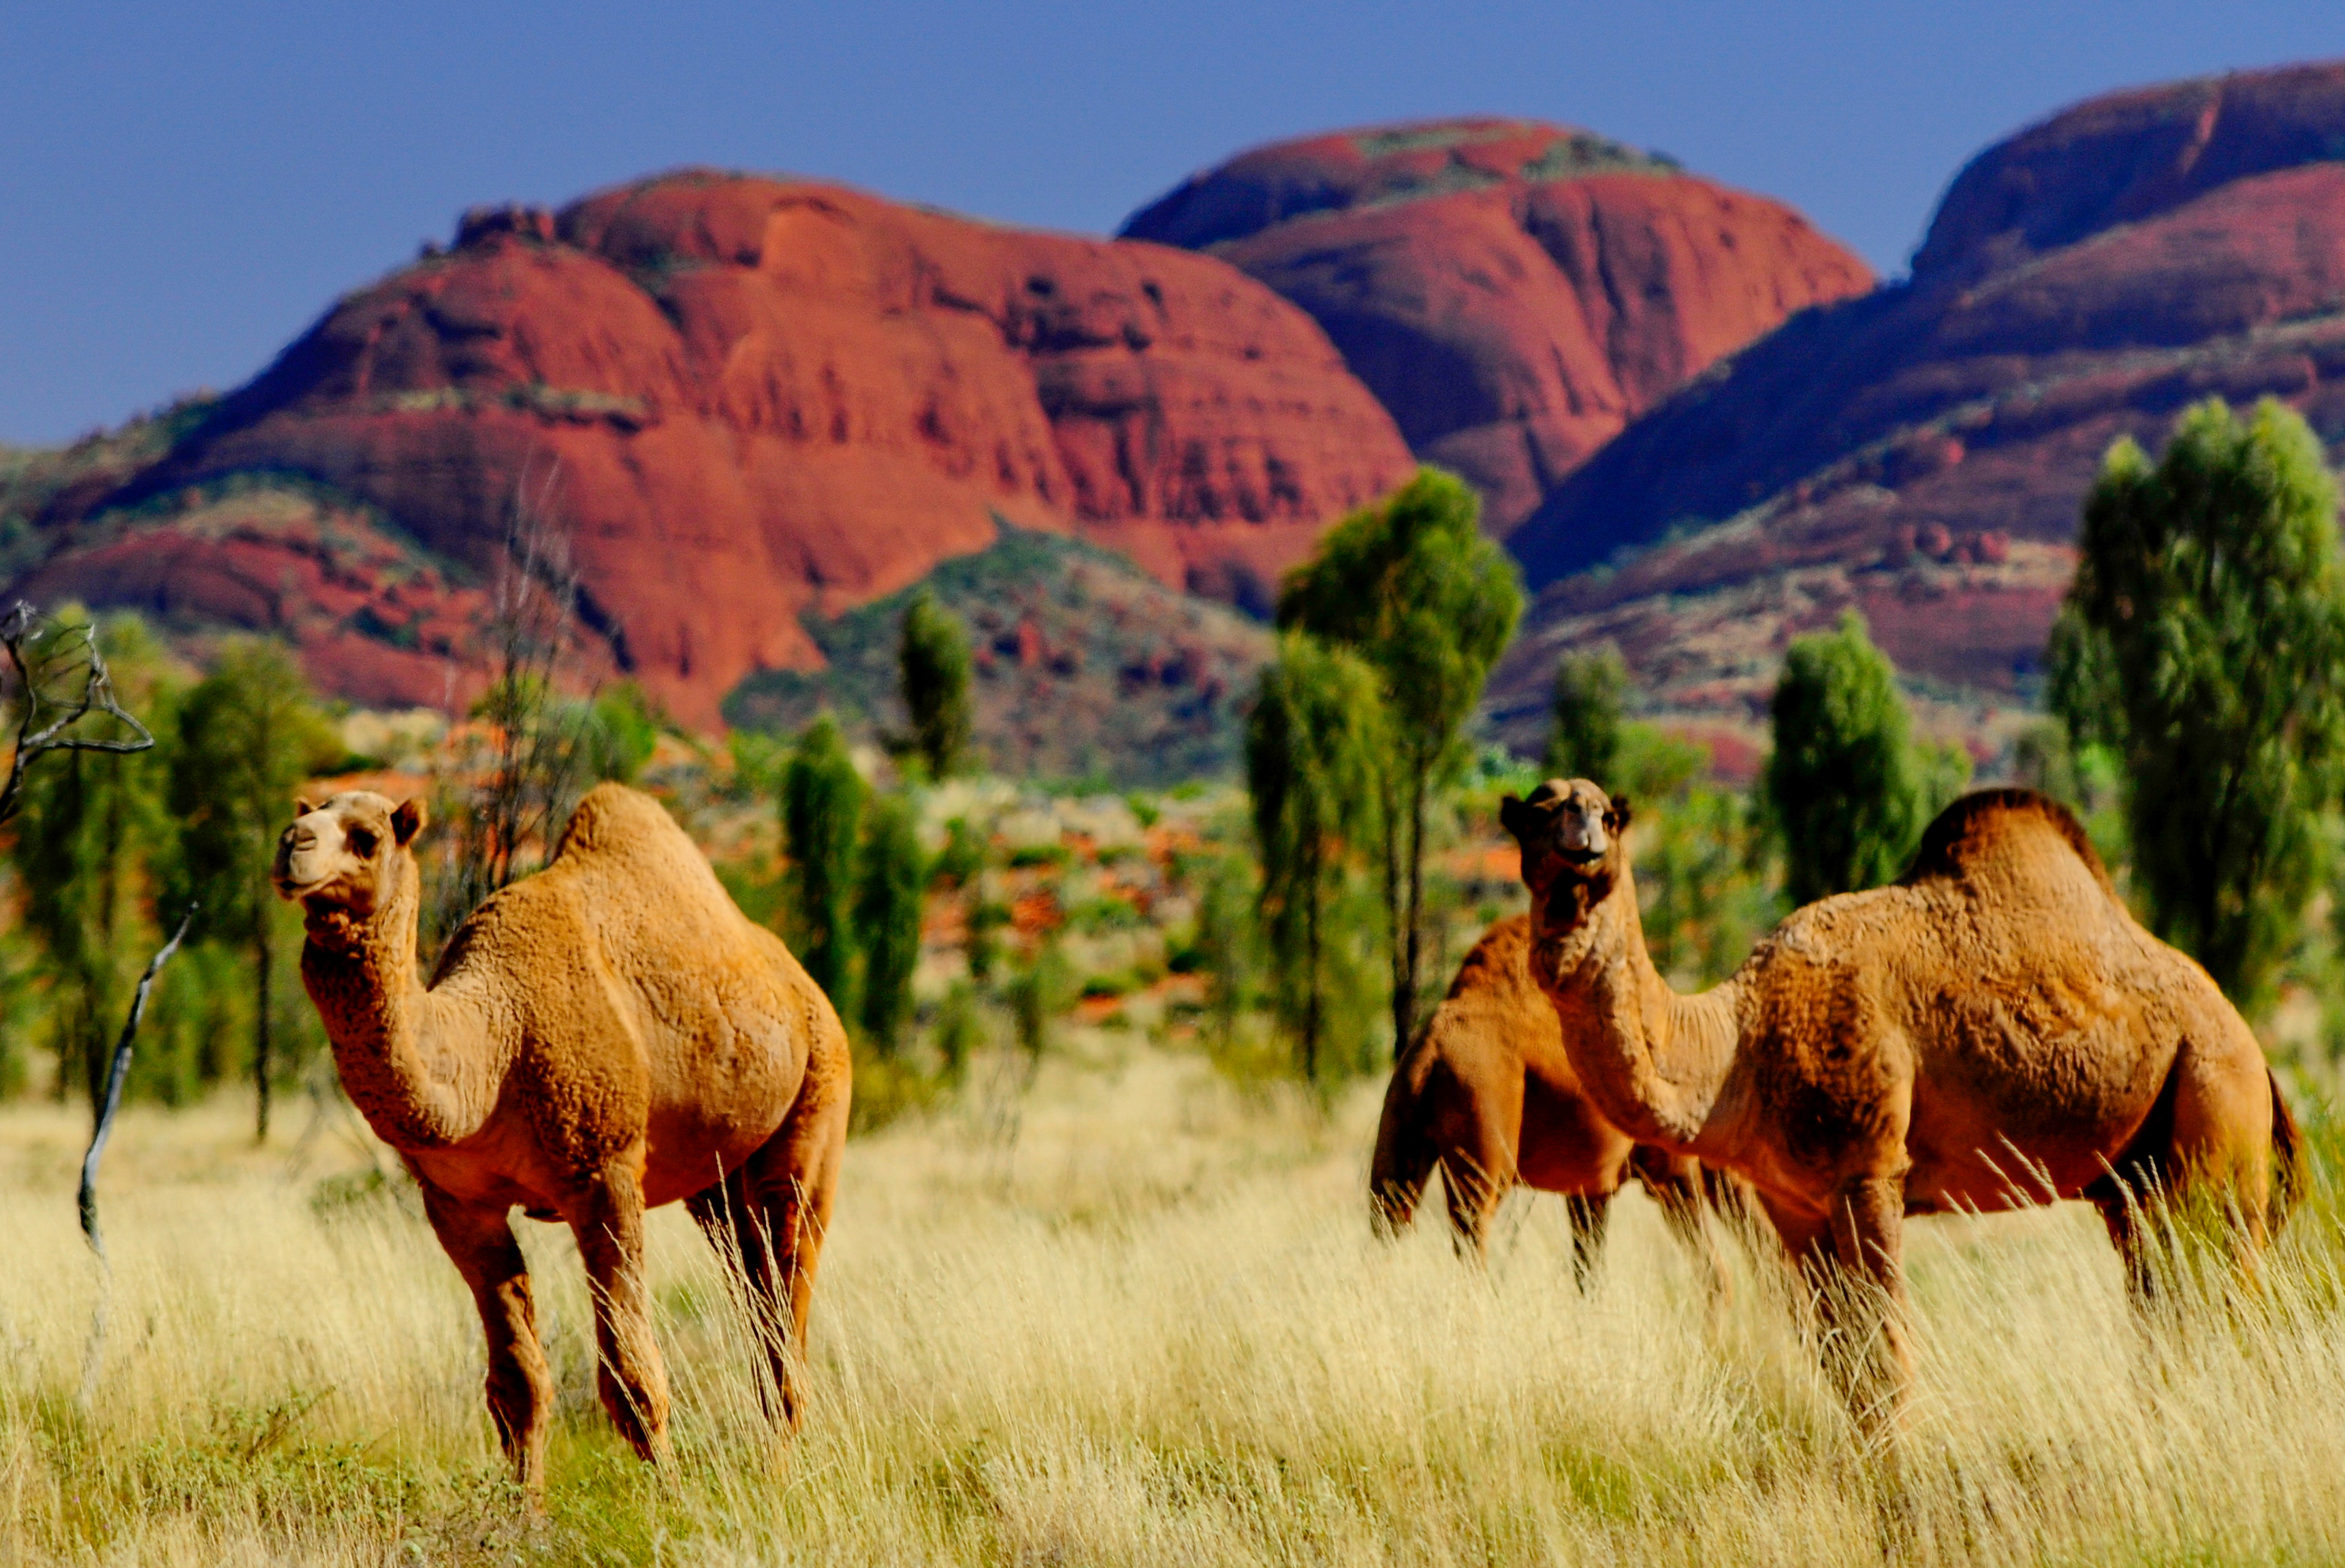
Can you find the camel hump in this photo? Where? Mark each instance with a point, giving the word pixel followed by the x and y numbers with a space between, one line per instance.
pixel 1991 822
pixel 612 817
pixel 1501 958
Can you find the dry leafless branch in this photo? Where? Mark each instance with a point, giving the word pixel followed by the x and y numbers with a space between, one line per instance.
pixel 60 680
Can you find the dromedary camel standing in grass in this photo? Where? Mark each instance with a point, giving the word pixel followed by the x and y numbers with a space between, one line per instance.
pixel 604 1038
pixel 1487 1093
pixel 1993 1030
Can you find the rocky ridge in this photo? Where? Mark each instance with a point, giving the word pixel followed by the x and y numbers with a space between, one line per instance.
pixel 1920 453
pixel 741 398
pixel 1514 292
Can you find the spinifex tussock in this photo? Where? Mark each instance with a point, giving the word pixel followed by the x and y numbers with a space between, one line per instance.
pixel 1156 1330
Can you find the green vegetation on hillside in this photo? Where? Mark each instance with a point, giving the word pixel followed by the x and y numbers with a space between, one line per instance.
pixel 1084 667
pixel 2201 643
pixel 1847 789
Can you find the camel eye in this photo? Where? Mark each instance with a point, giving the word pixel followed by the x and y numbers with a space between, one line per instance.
pixel 363 843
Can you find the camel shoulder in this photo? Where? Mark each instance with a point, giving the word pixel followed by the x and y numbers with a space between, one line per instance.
pixel 2000 825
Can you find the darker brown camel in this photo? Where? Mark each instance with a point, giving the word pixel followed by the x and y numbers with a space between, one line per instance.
pixel 1486 1094
pixel 604 1038
pixel 1992 1031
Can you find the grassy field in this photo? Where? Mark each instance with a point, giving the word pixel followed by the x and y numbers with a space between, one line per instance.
pixel 1128 1316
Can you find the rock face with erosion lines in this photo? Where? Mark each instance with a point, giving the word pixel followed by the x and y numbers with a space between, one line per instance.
pixel 1921 452
pixel 743 400
pixel 1514 292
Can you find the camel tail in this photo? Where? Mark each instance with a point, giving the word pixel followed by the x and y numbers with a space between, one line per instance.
pixel 1404 1161
pixel 2289 1171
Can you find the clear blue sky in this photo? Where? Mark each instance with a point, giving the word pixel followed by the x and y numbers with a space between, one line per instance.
pixel 183 188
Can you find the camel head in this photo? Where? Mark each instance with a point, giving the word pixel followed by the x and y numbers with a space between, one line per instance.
pixel 342 860
pixel 1570 829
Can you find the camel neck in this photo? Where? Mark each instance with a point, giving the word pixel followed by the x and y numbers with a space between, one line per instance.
pixel 416 1062
pixel 1653 1060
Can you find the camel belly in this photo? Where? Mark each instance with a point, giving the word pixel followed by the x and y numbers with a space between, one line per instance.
pixel 720 1087
pixel 686 1151
pixel 2026 1093
pixel 1566 1145
pixel 1972 1155
pixel 502 1166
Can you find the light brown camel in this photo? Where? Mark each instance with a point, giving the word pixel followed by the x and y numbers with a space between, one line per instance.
pixel 1993 1030
pixel 1486 1093
pixel 606 1036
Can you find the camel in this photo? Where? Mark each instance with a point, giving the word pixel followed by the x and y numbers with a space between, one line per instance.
pixel 606 1036
pixel 1992 1031
pixel 1487 1093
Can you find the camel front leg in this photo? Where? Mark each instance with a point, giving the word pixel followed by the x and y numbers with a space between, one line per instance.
pixel 1677 1183
pixel 1868 1220
pixel 633 1383
pixel 479 1241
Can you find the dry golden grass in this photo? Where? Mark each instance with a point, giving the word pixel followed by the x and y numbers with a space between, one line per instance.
pixel 1152 1330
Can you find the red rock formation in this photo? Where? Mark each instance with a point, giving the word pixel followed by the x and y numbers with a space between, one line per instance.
pixel 1514 292
pixel 2084 280
pixel 745 397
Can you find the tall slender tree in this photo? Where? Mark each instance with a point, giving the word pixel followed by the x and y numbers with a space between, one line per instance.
pixel 887 920
pixel 248 735
pixel 933 666
pixel 2200 642
pixel 89 849
pixel 822 811
pixel 1845 791
pixel 1585 724
pixel 1413 587
pixel 1315 741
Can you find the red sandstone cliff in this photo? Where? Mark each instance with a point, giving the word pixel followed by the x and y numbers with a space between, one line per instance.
pixel 1514 292
pixel 742 397
pixel 1921 453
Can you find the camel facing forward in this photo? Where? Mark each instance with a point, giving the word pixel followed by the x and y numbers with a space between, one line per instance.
pixel 1486 1093
pixel 1994 1030
pixel 604 1038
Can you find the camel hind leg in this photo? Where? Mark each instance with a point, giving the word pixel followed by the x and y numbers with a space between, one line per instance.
pixel 1404 1161
pixel 1588 1215
pixel 2212 1138
pixel 774 1212
pixel 1477 1171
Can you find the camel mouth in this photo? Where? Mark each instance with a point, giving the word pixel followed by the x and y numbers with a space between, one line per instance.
pixel 292 887
pixel 1580 856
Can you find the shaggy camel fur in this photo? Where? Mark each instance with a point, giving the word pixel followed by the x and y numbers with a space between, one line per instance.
pixel 604 1038
pixel 1486 1093
pixel 1994 1030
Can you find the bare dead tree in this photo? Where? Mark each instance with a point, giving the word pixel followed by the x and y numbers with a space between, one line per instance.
pixel 59 680
pixel 531 776
pixel 117 1073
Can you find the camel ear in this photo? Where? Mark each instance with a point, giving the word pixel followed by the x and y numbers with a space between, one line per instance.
pixel 303 805
pixel 1616 821
pixel 1517 818
pixel 407 821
